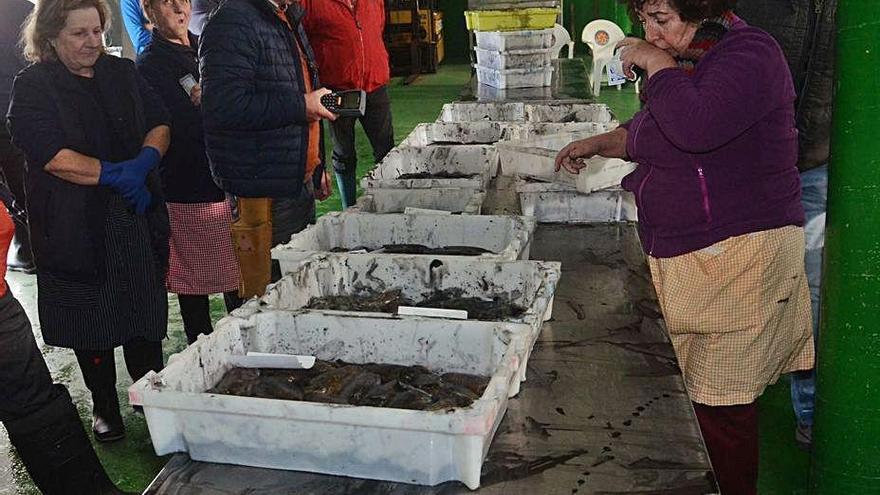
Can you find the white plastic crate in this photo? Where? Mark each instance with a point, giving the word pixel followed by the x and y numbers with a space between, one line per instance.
pixel 514 59
pixel 488 132
pixel 421 447
pixel 486 93
pixel 514 40
pixel 536 157
pixel 515 78
pixel 477 160
pixel 506 237
pixel 482 132
pixel 465 201
pixel 530 285
pixel 557 203
pixel 526 112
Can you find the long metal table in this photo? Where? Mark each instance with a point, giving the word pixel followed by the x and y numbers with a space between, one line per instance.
pixel 603 410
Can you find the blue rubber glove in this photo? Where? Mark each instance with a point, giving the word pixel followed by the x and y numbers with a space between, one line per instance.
pixel 127 177
pixel 140 200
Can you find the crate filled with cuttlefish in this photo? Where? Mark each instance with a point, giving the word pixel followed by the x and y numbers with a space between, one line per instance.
pixel 518 293
pixel 477 236
pixel 413 401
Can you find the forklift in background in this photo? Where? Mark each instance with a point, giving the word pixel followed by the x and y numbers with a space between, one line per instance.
pixel 413 37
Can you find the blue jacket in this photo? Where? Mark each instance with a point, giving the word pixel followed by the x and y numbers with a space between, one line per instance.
pixel 134 20
pixel 253 100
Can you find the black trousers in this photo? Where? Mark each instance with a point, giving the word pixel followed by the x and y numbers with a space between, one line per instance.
pixel 25 383
pixel 380 131
pixel 196 313
pixel 12 166
pixel 98 368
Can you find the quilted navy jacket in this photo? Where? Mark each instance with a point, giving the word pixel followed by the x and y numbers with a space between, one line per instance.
pixel 253 101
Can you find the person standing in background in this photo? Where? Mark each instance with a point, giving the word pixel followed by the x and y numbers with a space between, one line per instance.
pixel 805 29
pixel 137 25
pixel 347 38
pixel 202 260
pixel 93 132
pixel 12 15
pixel 261 108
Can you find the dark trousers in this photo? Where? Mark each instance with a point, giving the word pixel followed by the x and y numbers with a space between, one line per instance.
pixel 377 125
pixel 196 313
pixel 99 372
pixel 25 382
pixel 12 167
pixel 289 216
pixel 731 436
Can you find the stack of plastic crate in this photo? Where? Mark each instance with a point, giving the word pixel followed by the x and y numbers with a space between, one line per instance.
pixel 513 41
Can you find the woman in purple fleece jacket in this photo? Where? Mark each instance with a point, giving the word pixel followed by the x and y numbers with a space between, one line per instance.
pixel 720 216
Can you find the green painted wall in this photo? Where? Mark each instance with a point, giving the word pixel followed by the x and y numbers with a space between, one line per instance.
pixel 454 30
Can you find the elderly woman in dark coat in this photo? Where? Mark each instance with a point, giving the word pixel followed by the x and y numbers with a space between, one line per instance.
pixel 92 132
pixel 202 259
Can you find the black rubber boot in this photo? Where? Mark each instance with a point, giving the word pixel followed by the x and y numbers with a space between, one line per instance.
pixel 56 451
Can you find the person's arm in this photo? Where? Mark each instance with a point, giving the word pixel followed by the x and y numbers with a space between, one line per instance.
pixel 86 170
pixel 136 25
pixel 610 144
pixel 230 98
pixel 741 86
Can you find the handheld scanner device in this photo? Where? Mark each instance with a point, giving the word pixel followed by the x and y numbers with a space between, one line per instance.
pixel 350 103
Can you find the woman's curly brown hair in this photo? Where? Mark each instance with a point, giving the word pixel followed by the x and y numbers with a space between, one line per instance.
pixel 688 10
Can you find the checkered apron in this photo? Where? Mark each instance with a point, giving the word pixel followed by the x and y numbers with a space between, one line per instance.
pixel 738 314
pixel 202 259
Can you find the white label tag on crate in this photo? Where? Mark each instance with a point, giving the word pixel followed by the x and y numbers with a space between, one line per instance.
pixel 455 314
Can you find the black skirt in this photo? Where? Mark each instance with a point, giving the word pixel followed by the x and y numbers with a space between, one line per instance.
pixel 130 303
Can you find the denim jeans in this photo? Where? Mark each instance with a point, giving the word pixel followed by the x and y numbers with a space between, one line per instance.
pixel 814 196
pixel 377 125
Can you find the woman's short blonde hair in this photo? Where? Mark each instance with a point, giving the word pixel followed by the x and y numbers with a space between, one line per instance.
pixel 47 20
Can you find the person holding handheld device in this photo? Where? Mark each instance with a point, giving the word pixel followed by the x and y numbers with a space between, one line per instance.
pixel 720 215
pixel 261 105
pixel 202 259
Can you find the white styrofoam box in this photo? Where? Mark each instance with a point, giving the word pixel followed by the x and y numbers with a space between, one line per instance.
pixel 513 59
pixel 526 112
pixel 536 157
pixel 558 203
pixel 422 447
pixel 478 160
pixel 476 112
pixel 568 112
pixel 528 284
pixel 515 78
pixel 456 200
pixel 486 93
pixel 506 237
pixel 481 132
pixel 488 132
pixel 514 40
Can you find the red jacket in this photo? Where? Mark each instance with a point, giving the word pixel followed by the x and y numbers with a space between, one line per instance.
pixel 348 42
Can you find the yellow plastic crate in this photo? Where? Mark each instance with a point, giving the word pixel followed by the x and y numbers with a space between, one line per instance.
pixel 510 20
